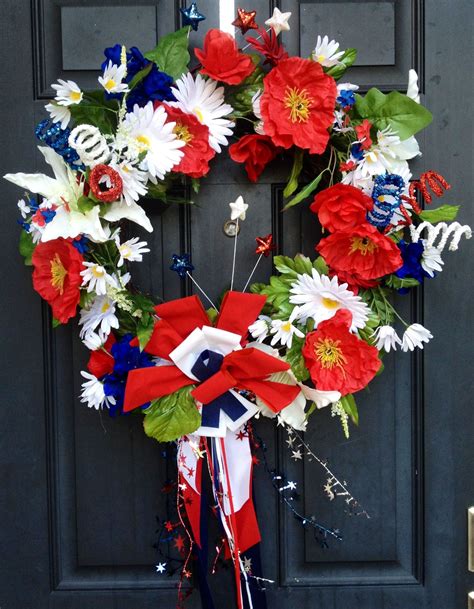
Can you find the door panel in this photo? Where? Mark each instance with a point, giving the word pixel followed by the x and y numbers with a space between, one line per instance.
pixel 81 491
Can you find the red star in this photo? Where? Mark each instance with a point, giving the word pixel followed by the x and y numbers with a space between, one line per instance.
pixel 168 487
pixel 265 245
pixel 241 435
pixel 179 543
pixel 190 471
pixel 245 20
pixel 188 501
pixel 169 526
pixel 186 573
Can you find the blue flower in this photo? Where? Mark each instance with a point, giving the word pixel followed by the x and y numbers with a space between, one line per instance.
pixel 48 214
pixel 357 152
pixel 24 225
pixel 126 358
pixel 135 60
pixel 81 244
pixel 411 256
pixel 346 98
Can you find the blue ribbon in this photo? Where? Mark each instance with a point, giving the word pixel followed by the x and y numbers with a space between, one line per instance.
pixel 206 365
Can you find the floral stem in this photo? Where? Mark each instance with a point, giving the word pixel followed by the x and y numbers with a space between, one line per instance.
pixel 253 271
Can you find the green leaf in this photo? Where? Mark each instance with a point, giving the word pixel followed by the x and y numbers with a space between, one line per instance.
pixel 172 416
pixel 350 407
pixel 101 116
pixel 240 97
pixel 139 76
pixel 396 283
pixel 394 110
pixel 145 329
pixel 84 204
pixel 378 301
pixel 445 213
pixel 305 192
pixel 55 322
pixel 321 266
pixel 26 247
pixel 296 360
pixel 344 62
pixel 292 184
pixel 171 53
pixel 293 266
pixel 195 184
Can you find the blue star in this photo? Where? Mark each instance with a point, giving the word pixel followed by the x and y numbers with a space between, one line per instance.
pixel 191 16
pixel 182 264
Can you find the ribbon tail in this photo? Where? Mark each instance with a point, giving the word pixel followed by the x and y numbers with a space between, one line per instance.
pixel 145 384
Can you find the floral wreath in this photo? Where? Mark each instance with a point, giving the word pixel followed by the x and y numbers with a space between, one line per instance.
pixel 317 332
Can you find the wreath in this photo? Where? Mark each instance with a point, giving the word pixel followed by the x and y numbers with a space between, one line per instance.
pixel 314 335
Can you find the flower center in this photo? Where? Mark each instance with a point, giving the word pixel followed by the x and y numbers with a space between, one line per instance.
pixel 182 133
pixel 199 114
pixel 58 274
pixel 105 307
pixel 299 104
pixel 320 58
pixel 98 271
pixel 143 143
pixel 75 96
pixel 110 84
pixel 329 303
pixel 329 353
pixel 286 327
pixel 125 250
pixel 362 244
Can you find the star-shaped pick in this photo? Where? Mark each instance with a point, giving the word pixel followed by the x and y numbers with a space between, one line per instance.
pixel 161 567
pixel 191 16
pixel 245 20
pixel 182 264
pixel 238 208
pixel 264 245
pixel 279 21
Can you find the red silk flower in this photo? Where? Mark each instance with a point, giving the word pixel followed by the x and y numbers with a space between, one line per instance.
pixel 197 151
pixel 256 151
pixel 102 361
pixel 341 206
pixel 297 104
pixel 105 183
pixel 56 276
pixel 360 251
pixel 222 60
pixel 336 359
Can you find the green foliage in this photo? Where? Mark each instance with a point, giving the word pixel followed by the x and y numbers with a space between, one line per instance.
pixel 278 294
pixel 292 184
pixel 394 110
pixel 240 96
pixel 344 62
pixel 171 54
pixel 350 407
pixel 95 110
pixel 305 192
pixel 139 76
pixel 378 301
pixel 445 213
pixel 142 303
pixel 55 322
pixel 145 329
pixel 299 265
pixel 172 416
pixel 396 283
pixel 296 360
pixel 84 204
pixel 26 247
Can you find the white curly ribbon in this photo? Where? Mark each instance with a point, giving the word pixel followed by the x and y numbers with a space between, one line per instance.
pixel 444 232
pixel 90 145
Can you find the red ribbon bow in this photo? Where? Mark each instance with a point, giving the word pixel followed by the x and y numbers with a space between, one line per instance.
pixel 245 369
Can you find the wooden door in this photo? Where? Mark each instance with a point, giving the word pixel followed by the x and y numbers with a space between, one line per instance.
pixel 80 492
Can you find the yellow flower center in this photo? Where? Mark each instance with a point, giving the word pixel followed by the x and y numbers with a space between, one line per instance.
pixel 58 274
pixel 75 96
pixel 143 143
pixel 286 327
pixel 125 250
pixel 320 58
pixel 329 303
pixel 98 271
pixel 299 104
pixel 110 84
pixel 199 114
pixel 105 307
pixel 362 244
pixel 329 353
pixel 182 133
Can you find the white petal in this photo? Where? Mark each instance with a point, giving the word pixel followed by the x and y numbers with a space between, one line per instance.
pixel 133 212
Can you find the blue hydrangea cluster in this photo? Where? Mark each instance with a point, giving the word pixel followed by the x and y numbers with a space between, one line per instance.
pixel 346 98
pixel 412 254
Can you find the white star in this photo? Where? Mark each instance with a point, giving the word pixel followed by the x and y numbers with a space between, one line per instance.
pixel 238 209
pixel 161 567
pixel 296 454
pixel 247 564
pixel 291 485
pixel 279 21
pixel 182 486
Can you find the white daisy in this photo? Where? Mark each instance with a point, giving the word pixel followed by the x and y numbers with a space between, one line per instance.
pixel 279 21
pixel 414 336
pixel 431 260
pixel 386 338
pixel 93 393
pixel 284 330
pixel 93 341
pixel 133 181
pixel 100 315
pixel 112 78
pixel 326 52
pixel 238 209
pixel 131 250
pixel 260 328
pixel 258 126
pixel 320 297
pixel 96 278
pixel 67 93
pixel 205 100
pixel 59 114
pixel 24 208
pixel 153 137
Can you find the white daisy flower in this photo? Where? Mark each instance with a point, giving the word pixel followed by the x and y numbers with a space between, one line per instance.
pixel 96 278
pixel 93 341
pixel 320 297
pixel 112 78
pixel 67 93
pixel 93 392
pixel 238 209
pixel 24 208
pixel 59 114
pixel 205 100
pixel 326 52
pixel 284 330
pixel 386 338
pixel 431 260
pixel 100 315
pixel 133 181
pixel 259 127
pixel 131 250
pixel 153 137
pixel 414 336
pixel 260 328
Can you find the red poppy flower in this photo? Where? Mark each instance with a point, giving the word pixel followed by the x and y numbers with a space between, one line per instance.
pixel 221 59
pixel 336 359
pixel 298 103
pixel 361 251
pixel 105 183
pixel 56 276
pixel 363 134
pixel 197 151
pixel 353 282
pixel 101 362
pixel 341 206
pixel 256 151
